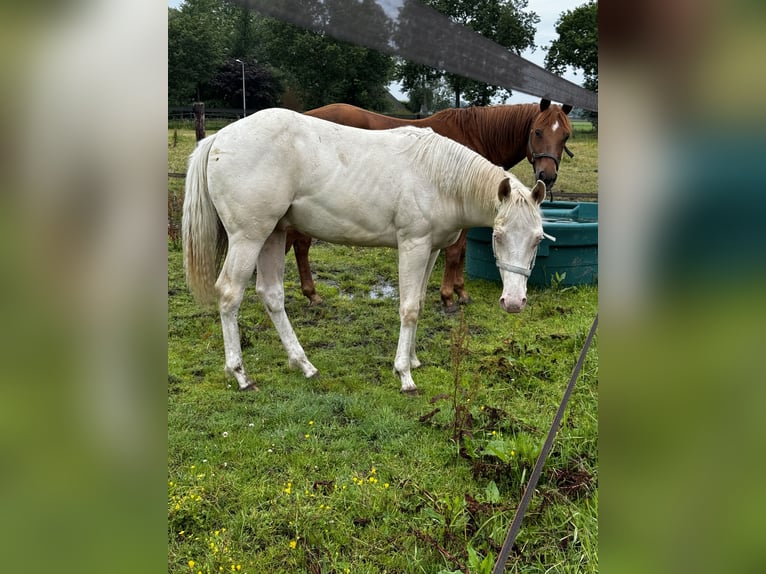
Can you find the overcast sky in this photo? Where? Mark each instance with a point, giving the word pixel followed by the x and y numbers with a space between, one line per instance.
pixel 549 12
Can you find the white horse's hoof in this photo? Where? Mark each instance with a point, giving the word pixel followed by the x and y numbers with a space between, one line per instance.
pixel 249 387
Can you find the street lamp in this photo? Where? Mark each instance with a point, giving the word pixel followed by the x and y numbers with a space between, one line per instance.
pixel 244 107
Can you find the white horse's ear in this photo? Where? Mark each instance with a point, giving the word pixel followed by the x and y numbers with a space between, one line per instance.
pixel 538 192
pixel 504 191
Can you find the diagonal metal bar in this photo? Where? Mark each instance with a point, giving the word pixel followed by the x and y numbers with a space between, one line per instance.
pixel 417 32
pixel 510 537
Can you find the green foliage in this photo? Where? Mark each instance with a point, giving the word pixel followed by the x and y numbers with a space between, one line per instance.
pixel 206 36
pixel 557 279
pixel 224 89
pixel 323 70
pixel 577 44
pixel 507 22
pixel 198 33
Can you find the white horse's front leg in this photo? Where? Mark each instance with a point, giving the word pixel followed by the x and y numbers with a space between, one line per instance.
pixel 414 361
pixel 269 285
pixel 415 264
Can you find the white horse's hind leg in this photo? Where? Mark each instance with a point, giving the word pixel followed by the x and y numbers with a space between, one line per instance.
pixel 235 274
pixel 269 285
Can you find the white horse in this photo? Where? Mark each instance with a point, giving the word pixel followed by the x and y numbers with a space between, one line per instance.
pixel 408 188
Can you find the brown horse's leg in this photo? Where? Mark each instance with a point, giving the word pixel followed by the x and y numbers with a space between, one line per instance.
pixel 301 244
pixel 462 294
pixel 451 265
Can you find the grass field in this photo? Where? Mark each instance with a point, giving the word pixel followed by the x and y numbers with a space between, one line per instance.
pixel 344 474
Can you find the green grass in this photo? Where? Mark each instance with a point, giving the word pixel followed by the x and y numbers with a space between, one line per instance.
pixel 343 473
pixel 343 467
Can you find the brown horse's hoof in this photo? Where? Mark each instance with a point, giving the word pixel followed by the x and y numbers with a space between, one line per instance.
pixel 450 309
pixel 465 300
pixel 315 300
pixel 249 387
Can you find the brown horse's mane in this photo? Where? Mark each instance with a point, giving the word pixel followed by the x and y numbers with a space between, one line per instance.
pixel 499 133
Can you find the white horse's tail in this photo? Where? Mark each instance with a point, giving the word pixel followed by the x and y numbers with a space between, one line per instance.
pixel 203 236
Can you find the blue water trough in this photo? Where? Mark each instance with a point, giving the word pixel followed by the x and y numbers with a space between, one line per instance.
pixel 571 260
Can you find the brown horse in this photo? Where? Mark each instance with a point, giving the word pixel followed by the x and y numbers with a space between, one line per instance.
pixel 503 134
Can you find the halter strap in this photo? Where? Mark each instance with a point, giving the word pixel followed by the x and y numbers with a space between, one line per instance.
pixel 526 271
pixel 513 268
pixel 535 156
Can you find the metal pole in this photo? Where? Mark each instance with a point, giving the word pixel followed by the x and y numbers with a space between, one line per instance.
pixel 244 107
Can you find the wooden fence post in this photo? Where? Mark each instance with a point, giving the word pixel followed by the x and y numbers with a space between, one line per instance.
pixel 199 119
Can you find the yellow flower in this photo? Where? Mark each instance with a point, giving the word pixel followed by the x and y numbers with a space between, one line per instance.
pixel 307 436
pixel 311 423
pixel 293 544
pixel 386 485
pixel 191 564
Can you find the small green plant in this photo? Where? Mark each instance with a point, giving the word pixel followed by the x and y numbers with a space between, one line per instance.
pixel 557 279
pixel 462 393
pixel 478 564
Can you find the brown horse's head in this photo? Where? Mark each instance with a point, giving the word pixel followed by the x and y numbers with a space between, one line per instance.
pixel 547 141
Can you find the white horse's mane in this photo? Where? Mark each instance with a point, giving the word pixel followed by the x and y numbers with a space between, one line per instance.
pixel 460 171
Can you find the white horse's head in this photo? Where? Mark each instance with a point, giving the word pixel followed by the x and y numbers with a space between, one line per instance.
pixel 517 232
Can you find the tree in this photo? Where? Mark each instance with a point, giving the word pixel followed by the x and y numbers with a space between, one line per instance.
pixel 206 36
pixel 262 88
pixel 198 35
pixel 506 22
pixel 322 70
pixel 577 44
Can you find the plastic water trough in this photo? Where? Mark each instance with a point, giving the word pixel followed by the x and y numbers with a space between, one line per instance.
pixel 571 260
